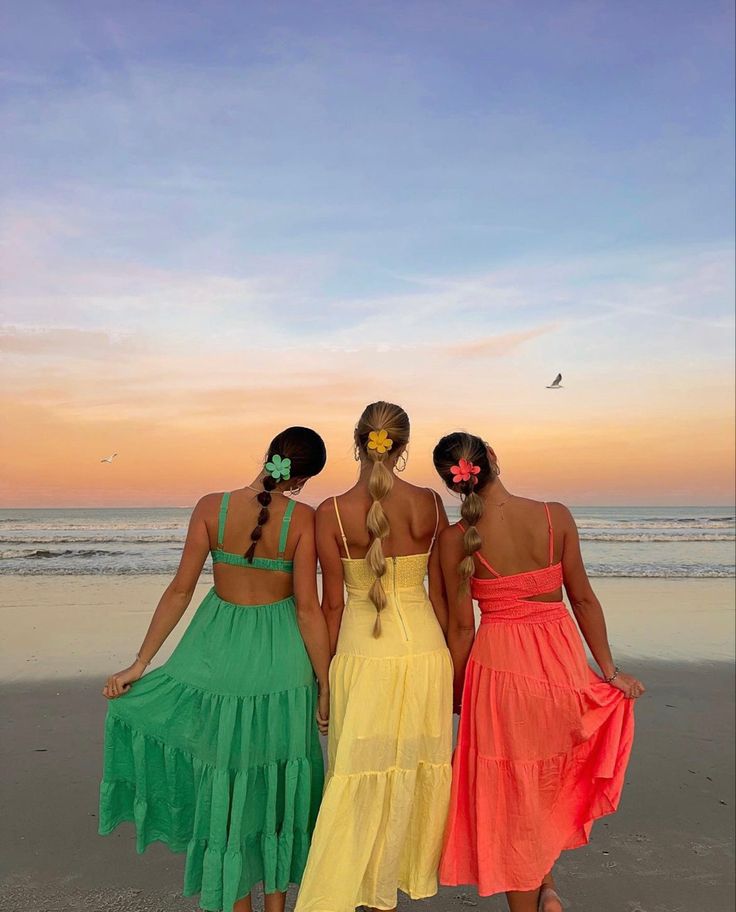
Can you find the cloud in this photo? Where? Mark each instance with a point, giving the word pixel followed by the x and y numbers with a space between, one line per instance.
pixel 496 346
pixel 63 343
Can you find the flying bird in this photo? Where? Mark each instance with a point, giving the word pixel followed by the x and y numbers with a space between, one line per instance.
pixel 556 384
pixel 109 458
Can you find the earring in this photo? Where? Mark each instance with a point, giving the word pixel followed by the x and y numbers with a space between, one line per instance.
pixel 496 469
pixel 356 453
pixel 401 466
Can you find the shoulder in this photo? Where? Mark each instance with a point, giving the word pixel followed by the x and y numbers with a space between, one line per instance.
pixel 326 508
pixel 451 536
pixel 208 504
pixel 559 511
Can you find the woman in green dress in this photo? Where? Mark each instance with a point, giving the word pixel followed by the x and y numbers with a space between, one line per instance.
pixel 216 752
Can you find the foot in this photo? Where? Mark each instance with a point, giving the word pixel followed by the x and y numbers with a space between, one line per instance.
pixel 549 901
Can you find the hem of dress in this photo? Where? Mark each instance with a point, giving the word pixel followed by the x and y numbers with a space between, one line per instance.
pixel 586 827
pixel 177 849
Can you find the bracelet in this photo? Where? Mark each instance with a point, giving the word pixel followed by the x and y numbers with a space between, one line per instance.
pixel 613 676
pixel 146 664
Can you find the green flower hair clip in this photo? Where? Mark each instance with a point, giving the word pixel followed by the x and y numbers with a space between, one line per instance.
pixel 279 468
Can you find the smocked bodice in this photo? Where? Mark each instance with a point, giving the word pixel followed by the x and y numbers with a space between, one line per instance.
pixel 404 572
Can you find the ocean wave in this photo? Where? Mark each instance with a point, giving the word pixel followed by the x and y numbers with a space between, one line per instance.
pixel 94 540
pixel 595 571
pixel 47 554
pixel 647 537
pixel 653 571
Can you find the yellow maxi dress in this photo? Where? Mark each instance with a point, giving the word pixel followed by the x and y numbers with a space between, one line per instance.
pixel 383 812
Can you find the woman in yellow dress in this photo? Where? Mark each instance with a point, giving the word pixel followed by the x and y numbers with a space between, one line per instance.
pixel 383 812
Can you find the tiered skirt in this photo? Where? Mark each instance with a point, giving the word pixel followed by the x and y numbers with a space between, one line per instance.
pixel 384 808
pixel 216 753
pixel 542 750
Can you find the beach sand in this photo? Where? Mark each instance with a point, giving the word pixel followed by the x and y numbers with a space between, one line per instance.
pixel 668 849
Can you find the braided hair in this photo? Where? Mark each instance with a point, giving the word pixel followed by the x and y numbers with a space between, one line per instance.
pixel 447 453
pixel 376 417
pixel 308 455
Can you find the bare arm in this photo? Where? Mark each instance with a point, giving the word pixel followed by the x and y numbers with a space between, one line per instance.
pixel 437 594
pixel 311 620
pixel 333 584
pixel 585 605
pixel 309 615
pixel 461 620
pixel 173 603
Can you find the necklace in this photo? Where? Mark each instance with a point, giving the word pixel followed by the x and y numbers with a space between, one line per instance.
pixel 253 489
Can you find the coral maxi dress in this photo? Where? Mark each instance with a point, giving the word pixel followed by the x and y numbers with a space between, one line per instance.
pixel 543 742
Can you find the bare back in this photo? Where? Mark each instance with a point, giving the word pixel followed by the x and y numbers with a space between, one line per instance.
pixel 252 585
pixel 519 537
pixel 413 514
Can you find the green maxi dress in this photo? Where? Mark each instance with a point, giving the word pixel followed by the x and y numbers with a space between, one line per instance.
pixel 216 753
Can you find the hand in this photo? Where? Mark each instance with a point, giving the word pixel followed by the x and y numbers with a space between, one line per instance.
pixel 118 684
pixel 323 710
pixel 631 687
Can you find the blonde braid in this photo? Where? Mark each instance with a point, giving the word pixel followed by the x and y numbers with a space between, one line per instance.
pixel 379 484
pixel 471 511
pixel 394 422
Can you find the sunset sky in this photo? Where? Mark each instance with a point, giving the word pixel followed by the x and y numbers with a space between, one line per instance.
pixel 222 218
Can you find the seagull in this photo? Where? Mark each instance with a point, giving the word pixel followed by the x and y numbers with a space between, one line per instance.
pixel 109 458
pixel 556 384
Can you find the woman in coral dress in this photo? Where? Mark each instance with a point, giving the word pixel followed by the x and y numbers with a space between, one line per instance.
pixel 384 808
pixel 216 752
pixel 543 741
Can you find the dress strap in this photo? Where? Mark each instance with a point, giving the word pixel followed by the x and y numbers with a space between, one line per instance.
pixel 221 521
pixel 551 535
pixel 480 557
pixel 436 519
pixel 342 530
pixel 285 522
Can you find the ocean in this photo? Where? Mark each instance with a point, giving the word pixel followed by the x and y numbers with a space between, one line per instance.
pixel 664 542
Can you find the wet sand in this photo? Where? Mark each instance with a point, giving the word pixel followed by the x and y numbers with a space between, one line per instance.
pixel 668 849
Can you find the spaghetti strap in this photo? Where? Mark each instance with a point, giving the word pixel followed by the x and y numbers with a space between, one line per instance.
pixel 480 556
pixel 222 518
pixel 342 530
pixel 551 535
pixel 285 522
pixel 436 519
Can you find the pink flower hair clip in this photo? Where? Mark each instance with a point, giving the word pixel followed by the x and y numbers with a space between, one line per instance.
pixel 465 471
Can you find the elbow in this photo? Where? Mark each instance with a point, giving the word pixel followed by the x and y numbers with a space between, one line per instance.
pixel 585 605
pixel 333 608
pixel 460 632
pixel 181 591
pixel 307 610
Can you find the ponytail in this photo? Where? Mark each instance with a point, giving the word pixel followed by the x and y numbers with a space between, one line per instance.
pixel 379 484
pixel 264 499
pixel 471 511
pixel 382 428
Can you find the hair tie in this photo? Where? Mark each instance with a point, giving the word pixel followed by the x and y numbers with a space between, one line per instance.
pixel 465 471
pixel 380 442
pixel 279 468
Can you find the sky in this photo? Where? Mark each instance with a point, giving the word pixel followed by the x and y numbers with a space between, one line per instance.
pixel 218 219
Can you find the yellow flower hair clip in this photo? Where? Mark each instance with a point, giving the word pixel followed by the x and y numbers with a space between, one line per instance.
pixel 380 442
